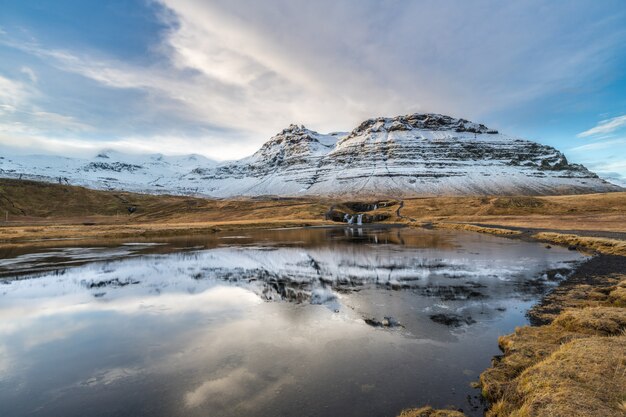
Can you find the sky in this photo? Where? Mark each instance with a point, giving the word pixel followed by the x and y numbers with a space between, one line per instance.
pixel 221 77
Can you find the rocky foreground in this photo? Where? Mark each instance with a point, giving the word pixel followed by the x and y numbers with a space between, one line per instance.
pixel 413 155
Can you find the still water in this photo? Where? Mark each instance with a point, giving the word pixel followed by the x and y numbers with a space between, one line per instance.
pixel 301 322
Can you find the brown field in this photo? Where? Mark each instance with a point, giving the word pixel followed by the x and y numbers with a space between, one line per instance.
pixel 590 212
pixel 40 211
pixel 37 211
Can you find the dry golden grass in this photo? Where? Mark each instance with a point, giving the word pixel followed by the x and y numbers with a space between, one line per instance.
pixel 597 212
pixel 548 368
pixel 602 245
pixel 580 296
pixel 31 235
pixel 617 296
pixel 592 222
pixel 585 377
pixel 39 211
pixel 604 204
pixel 36 210
pixel 430 412
pixel 34 202
pixel 479 229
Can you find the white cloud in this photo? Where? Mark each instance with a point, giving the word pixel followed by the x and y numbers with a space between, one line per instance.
pixel 12 93
pixel 252 67
pixel 19 115
pixel 605 126
pixel 255 68
pixel 228 388
pixel 239 388
pixel 22 139
pixel 30 73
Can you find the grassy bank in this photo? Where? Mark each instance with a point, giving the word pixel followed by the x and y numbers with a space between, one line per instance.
pixel 479 229
pixel 574 362
pixel 430 412
pixel 602 245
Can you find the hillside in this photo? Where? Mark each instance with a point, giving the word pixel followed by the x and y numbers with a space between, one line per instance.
pixel 25 201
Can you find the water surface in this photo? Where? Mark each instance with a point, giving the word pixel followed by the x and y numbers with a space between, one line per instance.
pixel 301 322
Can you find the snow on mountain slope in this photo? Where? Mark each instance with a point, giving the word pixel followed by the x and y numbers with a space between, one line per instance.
pixel 108 170
pixel 419 154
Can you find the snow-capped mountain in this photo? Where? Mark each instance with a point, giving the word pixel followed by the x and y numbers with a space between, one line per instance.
pixel 418 154
pixel 109 169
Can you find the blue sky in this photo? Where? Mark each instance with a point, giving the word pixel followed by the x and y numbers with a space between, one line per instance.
pixel 220 77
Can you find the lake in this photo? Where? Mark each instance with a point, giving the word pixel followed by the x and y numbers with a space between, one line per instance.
pixel 298 322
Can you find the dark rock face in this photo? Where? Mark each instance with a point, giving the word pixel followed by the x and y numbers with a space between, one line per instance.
pixel 432 122
pixel 368 206
pixel 385 322
pixel 360 212
pixel 350 218
pixel 115 166
pixel 452 320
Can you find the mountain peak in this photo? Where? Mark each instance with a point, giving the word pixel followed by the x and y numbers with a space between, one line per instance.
pixel 420 121
pixel 294 129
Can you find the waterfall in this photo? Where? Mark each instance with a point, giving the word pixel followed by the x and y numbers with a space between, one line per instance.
pixel 351 218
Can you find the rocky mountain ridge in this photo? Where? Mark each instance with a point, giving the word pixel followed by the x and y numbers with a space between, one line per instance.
pixel 417 154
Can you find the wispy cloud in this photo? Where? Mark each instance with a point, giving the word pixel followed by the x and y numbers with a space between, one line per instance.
pixel 599 145
pixel 30 73
pixel 605 127
pixel 244 65
pixel 235 72
pixel 19 115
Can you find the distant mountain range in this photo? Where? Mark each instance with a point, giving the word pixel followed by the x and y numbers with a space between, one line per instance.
pixel 418 154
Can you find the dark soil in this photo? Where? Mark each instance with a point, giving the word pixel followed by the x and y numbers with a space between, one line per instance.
pixel 596 276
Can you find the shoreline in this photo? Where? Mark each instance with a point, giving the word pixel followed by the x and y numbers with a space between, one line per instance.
pixel 571 359
pixel 586 313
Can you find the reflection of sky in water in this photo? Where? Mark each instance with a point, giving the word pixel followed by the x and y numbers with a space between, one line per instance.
pixel 190 334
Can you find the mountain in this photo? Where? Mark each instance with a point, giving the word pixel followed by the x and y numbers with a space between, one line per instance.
pixel 418 154
pixel 108 170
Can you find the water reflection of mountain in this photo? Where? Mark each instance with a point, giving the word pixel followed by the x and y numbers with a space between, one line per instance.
pixel 336 321
pixel 307 265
